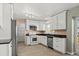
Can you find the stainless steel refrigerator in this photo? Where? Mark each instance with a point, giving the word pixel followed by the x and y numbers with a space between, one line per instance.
pixel 13 37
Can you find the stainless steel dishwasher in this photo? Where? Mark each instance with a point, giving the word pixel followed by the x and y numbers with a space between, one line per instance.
pixel 50 41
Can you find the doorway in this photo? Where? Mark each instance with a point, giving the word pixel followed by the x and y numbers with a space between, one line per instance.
pixel 75 35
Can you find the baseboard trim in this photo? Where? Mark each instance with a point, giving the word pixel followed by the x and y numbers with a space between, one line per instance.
pixel 70 53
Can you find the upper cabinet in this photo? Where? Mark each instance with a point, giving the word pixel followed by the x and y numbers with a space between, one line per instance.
pixel 54 22
pixel 42 26
pixel 39 24
pixel 61 20
pixel 5 13
pixel 1 14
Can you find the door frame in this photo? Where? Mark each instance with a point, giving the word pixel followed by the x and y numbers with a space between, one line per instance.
pixel 73 35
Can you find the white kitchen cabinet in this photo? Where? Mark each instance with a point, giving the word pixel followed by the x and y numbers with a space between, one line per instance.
pixel 59 44
pixel 54 22
pixel 44 40
pixel 10 49
pixel 7 11
pixel 44 27
pixel 62 20
pixel 5 21
pixel 1 15
pixel 41 26
pixel 27 40
pixel 48 26
pixel 6 49
pixel 58 21
pixel 39 39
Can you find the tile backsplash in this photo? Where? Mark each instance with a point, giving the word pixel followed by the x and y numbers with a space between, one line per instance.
pixel 62 32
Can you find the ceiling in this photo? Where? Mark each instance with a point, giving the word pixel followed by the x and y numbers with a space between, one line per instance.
pixel 40 10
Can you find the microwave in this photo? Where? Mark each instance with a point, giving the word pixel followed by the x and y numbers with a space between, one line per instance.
pixel 32 27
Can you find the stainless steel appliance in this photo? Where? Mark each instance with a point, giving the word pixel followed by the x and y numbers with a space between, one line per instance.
pixel 32 27
pixel 50 41
pixel 13 37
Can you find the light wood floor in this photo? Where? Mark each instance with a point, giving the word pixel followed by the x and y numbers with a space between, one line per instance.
pixel 35 50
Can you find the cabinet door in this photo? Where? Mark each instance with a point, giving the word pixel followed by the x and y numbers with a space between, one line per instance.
pixel 62 45
pixel 39 39
pixel 40 26
pixel 62 20
pixel 6 20
pixel 54 22
pixel 59 44
pixel 10 49
pixel 28 40
pixel 43 27
pixel 4 50
pixel 44 40
pixel 6 11
pixel 1 15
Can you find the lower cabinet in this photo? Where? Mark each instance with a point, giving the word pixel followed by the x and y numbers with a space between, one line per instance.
pixel 10 49
pixel 27 40
pixel 6 49
pixel 42 40
pixel 59 44
pixel 39 39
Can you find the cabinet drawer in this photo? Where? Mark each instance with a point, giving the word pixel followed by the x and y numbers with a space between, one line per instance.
pixel 56 47
pixel 59 44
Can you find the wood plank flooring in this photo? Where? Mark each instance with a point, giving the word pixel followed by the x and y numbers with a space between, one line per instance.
pixel 35 50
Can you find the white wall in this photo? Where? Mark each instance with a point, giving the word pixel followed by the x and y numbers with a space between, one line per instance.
pixel 5 32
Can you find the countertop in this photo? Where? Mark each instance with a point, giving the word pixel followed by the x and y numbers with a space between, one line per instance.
pixel 5 41
pixel 52 35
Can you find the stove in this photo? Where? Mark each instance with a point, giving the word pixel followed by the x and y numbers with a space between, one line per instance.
pixel 33 39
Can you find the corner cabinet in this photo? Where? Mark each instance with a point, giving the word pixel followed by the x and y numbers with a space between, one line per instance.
pixel 42 40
